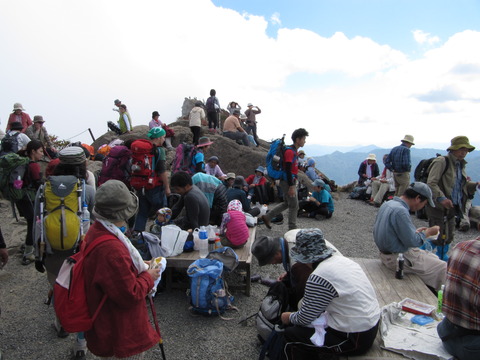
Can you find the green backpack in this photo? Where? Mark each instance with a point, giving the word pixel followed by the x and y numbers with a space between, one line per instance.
pixel 12 167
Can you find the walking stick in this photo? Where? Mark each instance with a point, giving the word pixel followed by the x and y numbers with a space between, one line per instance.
pixel 444 234
pixel 157 328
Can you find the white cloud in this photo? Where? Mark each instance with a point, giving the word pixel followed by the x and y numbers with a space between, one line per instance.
pixel 275 19
pixel 69 61
pixel 423 37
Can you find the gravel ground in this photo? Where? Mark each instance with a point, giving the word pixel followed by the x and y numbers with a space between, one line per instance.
pixel 25 325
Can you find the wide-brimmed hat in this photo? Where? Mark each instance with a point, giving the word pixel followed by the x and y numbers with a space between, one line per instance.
pixel 264 249
pixel 243 117
pixel 156 132
pixel 72 155
pixel 114 202
pixel 236 112
pixel 234 205
pixel 310 246
pixel 459 142
pixel 260 169
pixel 204 141
pixel 409 139
pixel 423 189
pixel 301 152
pixel 318 182
pixel 16 126
pixel 239 181
pixel 155 113
pixel 214 158
pixel 371 157
pixel 231 175
pixel 18 106
pixel 38 118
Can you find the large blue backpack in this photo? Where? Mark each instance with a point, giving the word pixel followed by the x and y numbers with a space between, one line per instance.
pixel 274 159
pixel 208 294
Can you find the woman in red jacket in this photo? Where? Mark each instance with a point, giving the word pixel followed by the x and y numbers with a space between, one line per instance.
pixel 115 269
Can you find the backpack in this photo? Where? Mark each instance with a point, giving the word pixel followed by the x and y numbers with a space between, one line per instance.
pixel 208 294
pixel 70 294
pixel 423 168
pixel 273 305
pixel 274 159
pixel 143 174
pixel 210 104
pixel 183 160
pixel 9 143
pixel 116 165
pixel 12 166
pixel 60 200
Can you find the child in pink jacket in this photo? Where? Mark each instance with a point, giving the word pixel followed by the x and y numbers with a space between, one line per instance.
pixel 234 226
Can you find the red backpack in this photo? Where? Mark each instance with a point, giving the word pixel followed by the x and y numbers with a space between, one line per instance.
pixel 70 294
pixel 143 165
pixel 116 165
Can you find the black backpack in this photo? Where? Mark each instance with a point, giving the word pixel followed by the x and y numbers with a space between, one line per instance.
pixel 423 169
pixel 210 104
pixel 9 143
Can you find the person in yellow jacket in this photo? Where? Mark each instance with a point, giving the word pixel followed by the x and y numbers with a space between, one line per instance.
pixel 124 121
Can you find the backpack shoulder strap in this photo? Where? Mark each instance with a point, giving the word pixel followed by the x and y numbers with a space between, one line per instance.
pixel 88 249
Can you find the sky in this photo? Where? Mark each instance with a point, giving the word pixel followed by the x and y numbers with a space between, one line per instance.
pixel 351 72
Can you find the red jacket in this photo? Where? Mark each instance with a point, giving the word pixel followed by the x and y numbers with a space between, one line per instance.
pixel 122 328
pixel 26 121
pixel 249 180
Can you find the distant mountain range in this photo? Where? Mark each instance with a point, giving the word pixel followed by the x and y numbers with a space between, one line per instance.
pixel 343 166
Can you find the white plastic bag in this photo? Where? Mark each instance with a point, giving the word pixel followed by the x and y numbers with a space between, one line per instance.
pixel 173 240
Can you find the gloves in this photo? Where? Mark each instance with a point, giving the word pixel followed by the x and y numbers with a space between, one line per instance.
pixel 39 265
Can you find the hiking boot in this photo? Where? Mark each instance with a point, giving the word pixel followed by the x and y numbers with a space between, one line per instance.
pixel 27 259
pixel 80 349
pixel 266 221
pixel 268 282
pixel 61 333
pixel 255 278
pixel 79 355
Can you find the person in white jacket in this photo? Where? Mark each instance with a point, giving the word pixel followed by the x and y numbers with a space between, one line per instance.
pixel 197 118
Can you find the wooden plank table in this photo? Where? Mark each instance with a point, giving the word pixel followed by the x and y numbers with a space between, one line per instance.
pixel 388 290
pixel 184 260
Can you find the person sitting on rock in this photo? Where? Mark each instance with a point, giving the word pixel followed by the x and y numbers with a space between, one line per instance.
pixel 302 161
pixel 198 160
pixel 233 130
pixel 319 203
pixel 229 180
pixel 368 170
pixel 257 179
pixel 212 168
pixel 237 192
pixel 382 185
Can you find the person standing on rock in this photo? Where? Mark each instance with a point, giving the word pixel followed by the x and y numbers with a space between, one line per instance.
pixel 213 109
pixel 251 121
pixel 19 116
pixel 38 132
pixel 400 163
pixel 289 186
pixel 196 119
pixel 394 233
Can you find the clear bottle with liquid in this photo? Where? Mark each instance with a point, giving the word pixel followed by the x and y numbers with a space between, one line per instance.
pixel 203 242
pixel 400 262
pixel 85 219
pixel 440 301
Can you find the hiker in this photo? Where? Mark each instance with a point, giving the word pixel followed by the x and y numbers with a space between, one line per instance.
pixel 213 109
pixel 117 103
pixel 236 192
pixel 212 168
pixel 70 170
pixel 164 217
pixel 368 170
pixel 400 163
pixel 229 180
pixel 196 120
pixel 251 121
pixel 382 185
pixel 14 139
pixel 460 328
pixel 451 190
pixel 198 160
pixel 256 179
pixel 216 194
pixel 233 130
pixel 192 199
pixel 289 186
pixel 31 181
pixel 350 301
pixel 319 203
pixel 232 106
pixel 156 197
pixel 3 251
pixel 37 131
pixel 155 122
pixel 115 269
pixel 302 161
pixel 18 115
pixel 124 121
pixel 234 226
pixel 395 233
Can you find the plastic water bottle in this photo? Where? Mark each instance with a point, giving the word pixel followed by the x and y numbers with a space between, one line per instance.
pixel 440 301
pixel 18 183
pixel 85 219
pixel 203 242
pixel 399 272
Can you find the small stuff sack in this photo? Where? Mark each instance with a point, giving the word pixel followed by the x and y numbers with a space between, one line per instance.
pixel 70 295
pixel 207 288
pixel 173 240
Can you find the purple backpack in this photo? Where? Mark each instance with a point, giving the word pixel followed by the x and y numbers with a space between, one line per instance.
pixel 116 165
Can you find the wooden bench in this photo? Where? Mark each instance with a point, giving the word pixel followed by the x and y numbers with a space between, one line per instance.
pixel 184 260
pixel 388 290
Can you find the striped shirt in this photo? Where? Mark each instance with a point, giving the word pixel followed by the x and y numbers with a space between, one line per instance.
pixel 318 295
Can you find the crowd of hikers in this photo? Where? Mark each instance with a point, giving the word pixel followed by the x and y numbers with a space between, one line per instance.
pixel 72 212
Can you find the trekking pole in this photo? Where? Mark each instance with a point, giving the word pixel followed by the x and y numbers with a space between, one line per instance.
pixel 444 234
pixel 157 328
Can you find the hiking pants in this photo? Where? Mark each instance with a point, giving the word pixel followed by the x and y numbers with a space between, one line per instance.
pixel 253 129
pixel 148 203
pixel 196 134
pixel 237 135
pixel 402 180
pixel 25 209
pixel 290 203
pixel 212 120
pixel 299 347
pixel 460 342
pixel 435 217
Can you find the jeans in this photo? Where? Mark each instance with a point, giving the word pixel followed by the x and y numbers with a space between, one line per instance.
pixel 148 203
